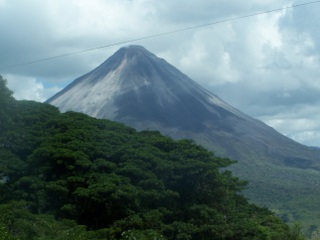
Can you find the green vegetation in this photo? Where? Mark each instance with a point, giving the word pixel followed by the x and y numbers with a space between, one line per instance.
pixel 292 193
pixel 70 176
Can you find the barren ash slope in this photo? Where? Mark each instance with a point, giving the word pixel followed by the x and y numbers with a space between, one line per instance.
pixel 143 91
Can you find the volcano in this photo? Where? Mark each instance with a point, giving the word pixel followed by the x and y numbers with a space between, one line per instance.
pixel 139 89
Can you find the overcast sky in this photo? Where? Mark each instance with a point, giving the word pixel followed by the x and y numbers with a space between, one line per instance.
pixel 267 66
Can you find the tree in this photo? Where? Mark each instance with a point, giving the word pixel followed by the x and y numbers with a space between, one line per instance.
pixel 119 183
pixel 5 93
pixel 6 101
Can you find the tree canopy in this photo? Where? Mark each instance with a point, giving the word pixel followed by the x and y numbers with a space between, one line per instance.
pixel 97 179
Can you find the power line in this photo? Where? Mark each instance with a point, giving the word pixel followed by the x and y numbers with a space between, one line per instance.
pixel 156 35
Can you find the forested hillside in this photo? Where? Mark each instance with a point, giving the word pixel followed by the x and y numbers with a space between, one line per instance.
pixel 70 176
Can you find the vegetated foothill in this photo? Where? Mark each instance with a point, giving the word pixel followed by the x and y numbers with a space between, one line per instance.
pixel 71 176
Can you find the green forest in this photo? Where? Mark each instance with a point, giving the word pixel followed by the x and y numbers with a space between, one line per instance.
pixel 71 176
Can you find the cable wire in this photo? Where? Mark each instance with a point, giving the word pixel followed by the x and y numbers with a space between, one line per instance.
pixel 156 35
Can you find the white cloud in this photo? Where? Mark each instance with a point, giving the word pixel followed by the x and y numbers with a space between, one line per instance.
pixel 29 88
pixel 304 130
pixel 309 138
pixel 299 122
pixel 55 27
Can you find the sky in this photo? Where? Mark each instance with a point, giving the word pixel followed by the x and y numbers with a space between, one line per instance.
pixel 267 66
